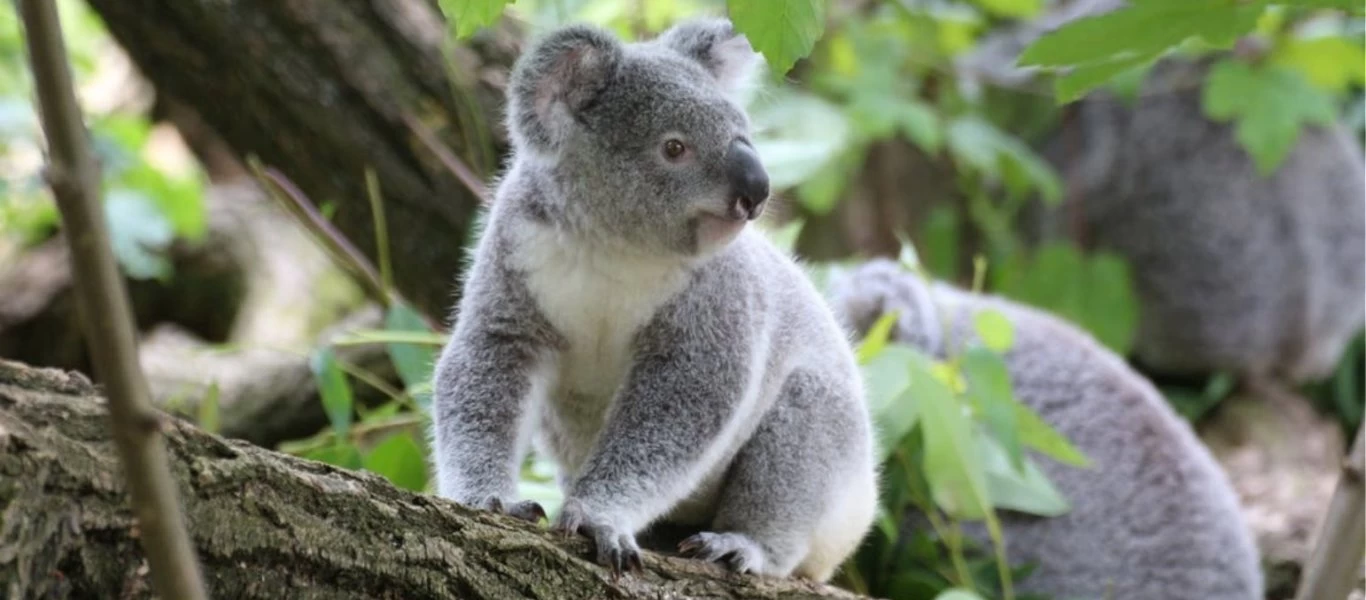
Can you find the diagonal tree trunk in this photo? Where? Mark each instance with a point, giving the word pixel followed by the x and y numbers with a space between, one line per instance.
pixel 271 526
pixel 323 89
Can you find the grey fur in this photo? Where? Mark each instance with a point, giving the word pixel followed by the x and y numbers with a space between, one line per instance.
pixel 621 315
pixel 1236 271
pixel 1153 516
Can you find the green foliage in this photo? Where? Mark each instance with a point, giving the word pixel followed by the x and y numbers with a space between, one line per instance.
pixel 1094 291
pixel 148 206
pixel 953 439
pixel 338 401
pixel 468 16
pixel 399 459
pixel 1268 104
pixel 784 31
pixel 413 361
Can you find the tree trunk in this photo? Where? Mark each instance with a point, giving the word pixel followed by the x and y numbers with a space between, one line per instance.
pixel 272 526
pixel 321 90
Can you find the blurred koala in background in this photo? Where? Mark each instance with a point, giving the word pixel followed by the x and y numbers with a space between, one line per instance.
pixel 1257 275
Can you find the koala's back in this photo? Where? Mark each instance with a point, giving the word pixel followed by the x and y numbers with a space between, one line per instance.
pixel 1152 517
pixel 1234 270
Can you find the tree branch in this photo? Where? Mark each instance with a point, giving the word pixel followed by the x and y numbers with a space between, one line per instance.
pixel 105 311
pixel 269 526
pixel 1335 566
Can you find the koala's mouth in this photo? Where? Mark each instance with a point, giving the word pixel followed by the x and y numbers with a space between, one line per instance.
pixel 715 228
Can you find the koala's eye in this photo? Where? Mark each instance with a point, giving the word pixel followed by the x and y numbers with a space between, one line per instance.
pixel 674 148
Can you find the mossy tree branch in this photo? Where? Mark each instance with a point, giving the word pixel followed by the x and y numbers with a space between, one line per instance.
pixel 104 309
pixel 268 525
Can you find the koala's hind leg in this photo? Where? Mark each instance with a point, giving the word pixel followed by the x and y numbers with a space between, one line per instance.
pixel 801 492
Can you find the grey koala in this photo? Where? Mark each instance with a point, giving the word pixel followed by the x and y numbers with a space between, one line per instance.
pixel 1153 516
pixel 620 315
pixel 1263 276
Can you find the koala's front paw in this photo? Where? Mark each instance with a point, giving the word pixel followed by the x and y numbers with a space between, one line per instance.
pixel 616 548
pixel 526 510
pixel 737 551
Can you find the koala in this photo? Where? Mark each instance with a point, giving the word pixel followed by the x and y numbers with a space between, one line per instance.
pixel 1153 515
pixel 1261 276
pixel 620 317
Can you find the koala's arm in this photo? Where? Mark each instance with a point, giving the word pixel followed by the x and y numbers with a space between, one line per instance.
pixel 692 374
pixel 485 382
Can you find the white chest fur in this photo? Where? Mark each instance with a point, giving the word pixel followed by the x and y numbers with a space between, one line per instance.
pixel 597 299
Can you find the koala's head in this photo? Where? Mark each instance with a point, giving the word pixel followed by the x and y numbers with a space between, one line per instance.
pixel 644 143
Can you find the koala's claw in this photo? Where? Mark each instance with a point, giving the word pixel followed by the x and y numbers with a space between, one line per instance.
pixel 737 551
pixel 526 510
pixel 616 549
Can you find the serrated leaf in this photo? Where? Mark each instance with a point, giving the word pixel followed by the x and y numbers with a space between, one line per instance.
pixel 994 329
pixel 334 389
pixel 1330 63
pixel 784 31
pixel 399 459
pixel 468 16
pixel 1268 104
pixel 412 361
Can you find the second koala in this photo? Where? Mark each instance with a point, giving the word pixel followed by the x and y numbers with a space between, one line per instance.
pixel 620 313
pixel 1153 516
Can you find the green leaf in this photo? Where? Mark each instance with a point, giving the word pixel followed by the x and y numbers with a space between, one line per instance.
pixel 918 122
pixel 1269 105
pixel 978 144
pixel 337 399
pixel 139 234
pixel 784 31
pixel 887 385
pixel 796 135
pixel 1021 487
pixel 1037 434
pixel 341 454
pixel 1330 63
pixel 399 459
pixel 468 16
pixel 412 361
pixel 951 464
pixel 990 390
pixel 1084 78
pixel 1144 28
pixel 1012 8
pixel 207 411
pixel 876 339
pixel 994 329
pixel 1353 7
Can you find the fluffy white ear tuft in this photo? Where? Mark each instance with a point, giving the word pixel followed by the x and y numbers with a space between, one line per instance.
pixel 558 76
pixel 722 51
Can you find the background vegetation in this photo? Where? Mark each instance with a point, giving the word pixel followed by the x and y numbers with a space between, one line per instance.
pixel 846 80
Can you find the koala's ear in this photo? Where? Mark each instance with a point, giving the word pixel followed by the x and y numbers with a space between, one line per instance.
pixel 722 51
pixel 555 78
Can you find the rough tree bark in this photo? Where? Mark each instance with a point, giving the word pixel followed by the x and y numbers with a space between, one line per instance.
pixel 270 526
pixel 323 89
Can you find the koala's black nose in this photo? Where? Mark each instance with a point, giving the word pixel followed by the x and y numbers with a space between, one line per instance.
pixel 748 180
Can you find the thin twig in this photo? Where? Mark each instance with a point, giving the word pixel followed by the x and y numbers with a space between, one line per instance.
pixel 1334 567
pixel 105 312
pixel 346 255
pixel 452 162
